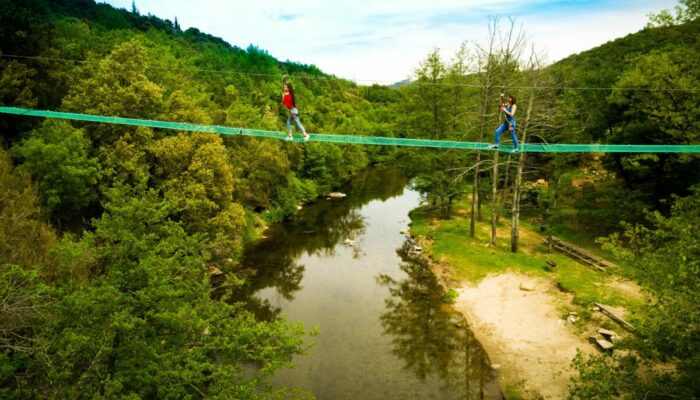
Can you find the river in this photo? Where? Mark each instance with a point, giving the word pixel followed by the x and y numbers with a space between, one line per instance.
pixel 384 332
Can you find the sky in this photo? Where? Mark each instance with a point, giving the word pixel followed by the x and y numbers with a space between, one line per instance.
pixel 384 41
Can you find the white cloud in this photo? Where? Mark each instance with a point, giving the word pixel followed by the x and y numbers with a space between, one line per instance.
pixel 385 40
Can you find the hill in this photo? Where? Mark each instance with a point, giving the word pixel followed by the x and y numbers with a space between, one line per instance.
pixel 610 59
pixel 113 231
pixel 81 56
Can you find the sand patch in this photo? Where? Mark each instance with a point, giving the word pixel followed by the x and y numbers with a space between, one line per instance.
pixel 522 332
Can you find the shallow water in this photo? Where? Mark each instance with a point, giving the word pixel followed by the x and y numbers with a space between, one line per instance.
pixel 384 330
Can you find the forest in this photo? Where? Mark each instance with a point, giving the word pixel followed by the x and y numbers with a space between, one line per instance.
pixel 109 234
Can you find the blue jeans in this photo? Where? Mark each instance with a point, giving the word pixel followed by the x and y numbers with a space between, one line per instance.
pixel 294 115
pixel 504 126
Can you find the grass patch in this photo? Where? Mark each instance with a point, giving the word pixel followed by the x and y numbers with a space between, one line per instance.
pixel 471 259
pixel 513 393
pixel 450 296
pixel 582 237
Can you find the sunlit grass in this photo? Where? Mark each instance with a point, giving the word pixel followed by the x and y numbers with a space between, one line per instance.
pixel 472 259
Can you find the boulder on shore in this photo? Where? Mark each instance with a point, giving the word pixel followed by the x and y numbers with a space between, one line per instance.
pixel 608 334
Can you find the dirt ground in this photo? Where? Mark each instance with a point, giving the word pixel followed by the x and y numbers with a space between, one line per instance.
pixel 523 332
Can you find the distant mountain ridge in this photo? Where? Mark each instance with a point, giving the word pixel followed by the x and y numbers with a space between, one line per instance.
pixel 614 53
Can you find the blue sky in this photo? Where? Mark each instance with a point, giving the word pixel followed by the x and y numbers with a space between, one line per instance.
pixel 384 41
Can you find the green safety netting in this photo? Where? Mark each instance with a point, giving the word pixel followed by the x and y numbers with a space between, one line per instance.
pixel 371 140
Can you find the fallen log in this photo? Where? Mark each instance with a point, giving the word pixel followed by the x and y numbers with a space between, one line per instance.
pixel 610 313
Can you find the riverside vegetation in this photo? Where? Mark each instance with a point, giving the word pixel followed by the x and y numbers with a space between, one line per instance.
pixel 107 232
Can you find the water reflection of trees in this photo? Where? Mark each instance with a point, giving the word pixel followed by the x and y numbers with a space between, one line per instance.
pixel 431 337
pixel 317 229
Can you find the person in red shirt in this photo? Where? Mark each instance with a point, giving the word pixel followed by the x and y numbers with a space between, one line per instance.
pixel 288 101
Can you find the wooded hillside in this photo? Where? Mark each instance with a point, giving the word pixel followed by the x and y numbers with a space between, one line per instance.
pixel 108 233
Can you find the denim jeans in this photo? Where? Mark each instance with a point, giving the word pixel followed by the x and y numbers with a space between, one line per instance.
pixel 504 126
pixel 294 114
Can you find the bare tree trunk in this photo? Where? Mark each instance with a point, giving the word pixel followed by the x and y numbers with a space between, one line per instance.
pixel 514 43
pixel 506 181
pixel 476 201
pixel 494 197
pixel 515 225
pixel 479 215
pixel 475 193
pixel 436 126
pixel 436 110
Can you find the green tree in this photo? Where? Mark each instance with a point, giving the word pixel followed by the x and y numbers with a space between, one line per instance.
pixel 25 240
pixel 429 98
pixel 180 107
pixel 460 108
pixel 192 170
pixel 261 168
pixel 672 109
pixel 56 157
pixel 24 235
pixel 442 183
pixel 118 86
pixel 667 261
pixel 667 116
pixel 16 84
pixel 324 163
pixel 23 300
pixel 685 11
pixel 436 104
pixel 25 30
pixel 24 27
pixel 127 161
pixel 145 326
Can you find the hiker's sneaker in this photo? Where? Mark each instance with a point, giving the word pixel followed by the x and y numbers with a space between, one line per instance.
pixel 289 138
pixel 515 150
pixel 493 146
pixel 306 137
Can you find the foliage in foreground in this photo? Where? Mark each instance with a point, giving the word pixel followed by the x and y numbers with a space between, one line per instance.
pixel 666 254
pixel 130 314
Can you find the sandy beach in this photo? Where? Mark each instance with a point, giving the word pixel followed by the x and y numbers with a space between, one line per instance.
pixel 516 319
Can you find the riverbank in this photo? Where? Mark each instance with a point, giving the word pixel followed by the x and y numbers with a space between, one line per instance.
pixel 383 330
pixel 522 332
pixel 518 309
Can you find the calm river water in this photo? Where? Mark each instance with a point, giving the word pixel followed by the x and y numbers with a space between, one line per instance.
pixel 384 332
